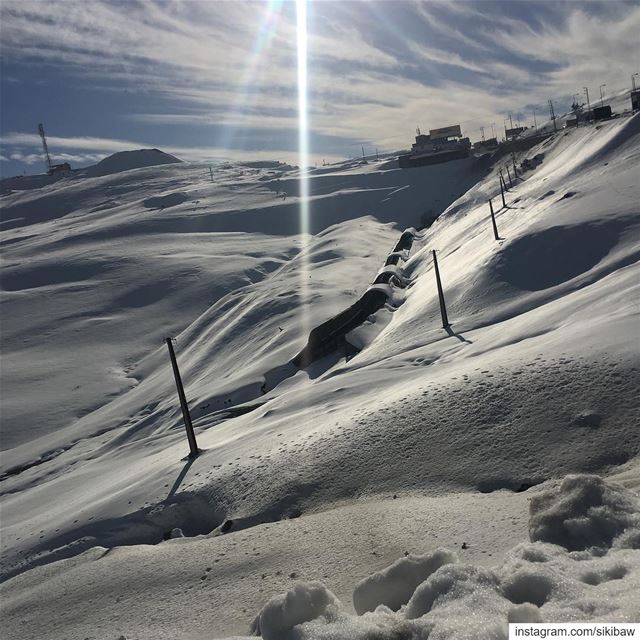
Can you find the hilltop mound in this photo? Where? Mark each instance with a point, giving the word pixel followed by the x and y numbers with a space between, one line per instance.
pixel 125 160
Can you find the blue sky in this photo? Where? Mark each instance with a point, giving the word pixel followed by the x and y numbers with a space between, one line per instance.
pixel 208 80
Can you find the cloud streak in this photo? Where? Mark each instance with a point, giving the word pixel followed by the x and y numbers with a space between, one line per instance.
pixel 376 69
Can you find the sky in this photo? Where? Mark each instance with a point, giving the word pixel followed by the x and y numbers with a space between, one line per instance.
pixel 208 80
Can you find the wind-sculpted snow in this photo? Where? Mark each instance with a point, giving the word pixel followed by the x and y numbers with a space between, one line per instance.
pixel 427 438
pixel 438 597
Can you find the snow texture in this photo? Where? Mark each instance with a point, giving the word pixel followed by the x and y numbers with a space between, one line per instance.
pixel 584 512
pixel 537 582
pixel 394 585
pixel 420 438
pixel 302 603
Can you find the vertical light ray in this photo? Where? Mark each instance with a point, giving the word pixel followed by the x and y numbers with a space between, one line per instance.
pixel 303 162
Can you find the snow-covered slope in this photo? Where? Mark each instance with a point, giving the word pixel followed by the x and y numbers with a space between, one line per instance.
pixel 326 474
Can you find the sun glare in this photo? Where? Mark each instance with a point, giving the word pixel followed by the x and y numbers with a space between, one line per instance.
pixel 303 158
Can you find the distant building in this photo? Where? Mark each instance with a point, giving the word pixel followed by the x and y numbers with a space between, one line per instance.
pixel 485 145
pixel 635 100
pixel 441 145
pixel 602 113
pixel 57 169
pixel 512 134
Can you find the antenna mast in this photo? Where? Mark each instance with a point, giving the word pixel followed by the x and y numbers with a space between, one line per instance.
pixel 44 146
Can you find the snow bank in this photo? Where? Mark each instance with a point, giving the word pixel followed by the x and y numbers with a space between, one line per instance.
pixel 575 568
pixel 394 585
pixel 302 603
pixel 583 512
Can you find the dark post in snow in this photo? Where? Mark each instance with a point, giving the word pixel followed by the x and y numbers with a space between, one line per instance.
pixel 504 182
pixel 493 221
pixel 443 308
pixel 191 436
pixel 504 204
pixel 509 176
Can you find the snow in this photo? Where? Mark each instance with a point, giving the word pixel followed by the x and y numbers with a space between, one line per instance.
pixel 426 439
pixel 393 586
pixel 585 512
pixel 126 160
pixel 301 604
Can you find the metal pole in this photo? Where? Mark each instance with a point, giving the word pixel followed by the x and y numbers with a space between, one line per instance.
pixel 602 95
pixel 191 436
pixel 504 204
pixel 443 308
pixel 509 176
pixel 493 221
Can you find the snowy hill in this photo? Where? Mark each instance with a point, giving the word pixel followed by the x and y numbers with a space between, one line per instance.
pixel 127 160
pixel 423 438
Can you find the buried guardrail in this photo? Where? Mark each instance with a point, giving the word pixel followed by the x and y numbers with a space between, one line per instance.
pixel 331 335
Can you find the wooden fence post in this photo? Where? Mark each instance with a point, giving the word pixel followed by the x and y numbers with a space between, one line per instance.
pixel 443 308
pixel 191 436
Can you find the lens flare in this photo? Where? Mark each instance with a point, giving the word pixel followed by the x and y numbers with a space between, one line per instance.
pixel 303 162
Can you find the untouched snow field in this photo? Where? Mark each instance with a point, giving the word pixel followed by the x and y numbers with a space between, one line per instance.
pixel 425 471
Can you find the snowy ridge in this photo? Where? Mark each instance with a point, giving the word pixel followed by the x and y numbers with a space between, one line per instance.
pixel 444 425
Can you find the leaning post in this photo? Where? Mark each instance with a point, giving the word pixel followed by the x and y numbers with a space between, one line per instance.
pixel 504 204
pixel 509 176
pixel 504 182
pixel 191 436
pixel 443 308
pixel 493 221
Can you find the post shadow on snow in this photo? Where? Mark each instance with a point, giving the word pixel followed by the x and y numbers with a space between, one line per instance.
pixel 453 334
pixel 181 477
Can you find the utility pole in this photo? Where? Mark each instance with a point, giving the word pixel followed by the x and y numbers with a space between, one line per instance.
pixel 602 95
pixel 443 308
pixel 553 116
pixel 493 131
pixel 586 90
pixel 482 133
pixel 511 121
pixel 191 436
pixel 363 153
pixel 535 122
